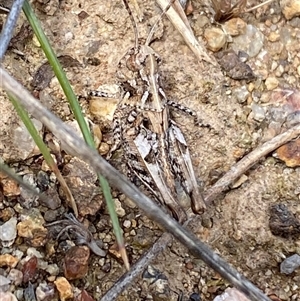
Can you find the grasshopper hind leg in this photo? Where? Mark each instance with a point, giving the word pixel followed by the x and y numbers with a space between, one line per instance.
pixel 183 167
pixel 120 124
pixel 117 136
pixel 96 93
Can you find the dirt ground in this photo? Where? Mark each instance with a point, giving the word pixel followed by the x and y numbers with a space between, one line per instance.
pixel 237 225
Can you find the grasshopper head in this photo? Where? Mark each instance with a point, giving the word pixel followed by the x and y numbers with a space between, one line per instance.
pixel 141 58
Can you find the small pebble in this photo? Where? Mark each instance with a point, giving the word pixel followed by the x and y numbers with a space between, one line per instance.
pixel 8 260
pixel 128 202
pixel 278 115
pixel 4 283
pixel 231 294
pixel 189 265
pixel 106 267
pixel 132 233
pixel 258 112
pixel 195 297
pixel 84 296
pixel 52 269
pixel 31 227
pixel 96 130
pixel 6 214
pixel 290 264
pixel 29 269
pixel 127 224
pixel 19 293
pixel 18 254
pixel 45 291
pixel 215 37
pixel 241 180
pixel 101 261
pixel 250 42
pixel 103 148
pixel 101 108
pixel 42 264
pixel 42 180
pixel 8 232
pixel 28 196
pixel 241 94
pixel 274 37
pixel 52 200
pixel 133 223
pixel 289 153
pixel 64 289
pixel 271 83
pixel 10 187
pixel 293 119
pixel 7 296
pixel 51 215
pixel 119 209
pixel 290 8
pixel 235 26
pixel 69 36
pixel 34 252
pixel 158 283
pixel 16 276
pixel 23 142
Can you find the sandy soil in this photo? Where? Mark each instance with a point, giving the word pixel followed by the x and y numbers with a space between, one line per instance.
pixel 237 225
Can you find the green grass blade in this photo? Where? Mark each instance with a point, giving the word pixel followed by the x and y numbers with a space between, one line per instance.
pixel 44 150
pixel 58 70
pixel 75 107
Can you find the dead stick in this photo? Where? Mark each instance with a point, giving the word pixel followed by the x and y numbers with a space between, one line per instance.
pixel 248 161
pixel 220 186
pixel 135 270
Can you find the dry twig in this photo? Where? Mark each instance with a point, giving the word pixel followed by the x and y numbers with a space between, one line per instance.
pixel 180 22
pixel 8 29
pixel 248 161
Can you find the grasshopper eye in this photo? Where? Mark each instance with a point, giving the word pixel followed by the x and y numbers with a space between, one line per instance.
pixel 136 62
pixel 131 63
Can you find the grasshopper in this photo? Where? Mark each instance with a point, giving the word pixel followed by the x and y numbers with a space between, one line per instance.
pixel 154 146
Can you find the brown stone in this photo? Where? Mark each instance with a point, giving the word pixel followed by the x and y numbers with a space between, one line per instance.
pixel 10 187
pixel 7 213
pixel 84 296
pixel 76 262
pixel 290 153
pixel 29 269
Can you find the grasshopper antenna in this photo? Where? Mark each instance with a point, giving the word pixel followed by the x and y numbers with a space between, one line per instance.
pixel 135 29
pixel 150 35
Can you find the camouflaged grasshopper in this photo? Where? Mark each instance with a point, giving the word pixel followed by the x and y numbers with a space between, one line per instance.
pixel 154 146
